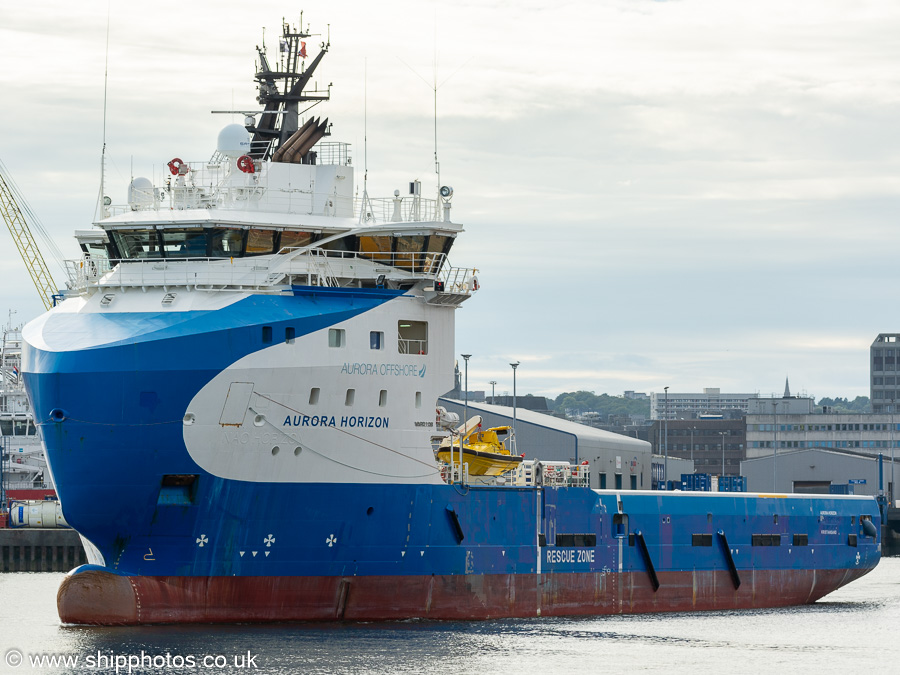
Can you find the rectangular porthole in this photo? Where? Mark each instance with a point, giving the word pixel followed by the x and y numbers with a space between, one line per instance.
pixel 289 334
pixel 376 339
pixel 701 540
pixel 576 540
pixel 267 334
pixel 382 398
pixel 350 397
pixel 418 399
pixel 765 540
pixel 314 396
pixel 336 337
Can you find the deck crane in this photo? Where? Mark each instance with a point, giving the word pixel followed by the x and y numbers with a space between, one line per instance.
pixel 21 234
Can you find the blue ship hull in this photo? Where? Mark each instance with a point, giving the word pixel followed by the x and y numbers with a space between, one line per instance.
pixel 202 547
pixel 328 552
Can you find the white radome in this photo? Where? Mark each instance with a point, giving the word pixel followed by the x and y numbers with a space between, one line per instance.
pixel 234 141
pixel 140 192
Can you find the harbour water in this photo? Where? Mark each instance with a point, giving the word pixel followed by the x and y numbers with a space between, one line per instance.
pixel 852 630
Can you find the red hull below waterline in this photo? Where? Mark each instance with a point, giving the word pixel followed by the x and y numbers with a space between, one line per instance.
pixel 100 598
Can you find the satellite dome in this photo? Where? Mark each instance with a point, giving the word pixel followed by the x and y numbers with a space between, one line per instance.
pixel 140 192
pixel 234 141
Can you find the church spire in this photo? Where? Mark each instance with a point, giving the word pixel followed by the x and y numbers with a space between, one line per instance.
pixel 787 388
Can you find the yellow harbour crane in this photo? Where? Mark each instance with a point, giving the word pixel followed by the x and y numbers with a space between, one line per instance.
pixel 21 234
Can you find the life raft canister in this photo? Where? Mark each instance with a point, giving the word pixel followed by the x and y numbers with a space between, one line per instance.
pixel 245 164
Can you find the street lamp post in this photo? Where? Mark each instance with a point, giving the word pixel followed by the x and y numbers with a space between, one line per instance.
pixel 466 358
pixel 515 445
pixel 493 383
pixel 666 440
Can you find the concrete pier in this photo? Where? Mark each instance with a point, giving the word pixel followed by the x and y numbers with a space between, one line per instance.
pixel 38 550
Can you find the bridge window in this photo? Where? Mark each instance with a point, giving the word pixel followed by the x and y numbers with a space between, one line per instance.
pixel 137 243
pixel 226 243
pixel 296 239
pixel 188 243
pixel 412 337
pixel 376 247
pixel 409 251
pixel 260 242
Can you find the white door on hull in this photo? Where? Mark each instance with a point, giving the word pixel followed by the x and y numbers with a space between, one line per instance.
pixel 237 403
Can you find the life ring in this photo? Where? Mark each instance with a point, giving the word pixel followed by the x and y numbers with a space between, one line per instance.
pixel 175 166
pixel 245 164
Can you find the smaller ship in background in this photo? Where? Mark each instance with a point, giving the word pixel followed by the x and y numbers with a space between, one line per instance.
pixel 23 467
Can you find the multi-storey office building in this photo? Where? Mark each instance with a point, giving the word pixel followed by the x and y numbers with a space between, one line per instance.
pixel 884 374
pixel 678 405
pixel 869 434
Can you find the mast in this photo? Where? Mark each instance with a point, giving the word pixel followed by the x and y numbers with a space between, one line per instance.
pixel 282 90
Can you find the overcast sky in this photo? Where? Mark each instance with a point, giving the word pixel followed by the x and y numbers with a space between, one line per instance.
pixel 691 194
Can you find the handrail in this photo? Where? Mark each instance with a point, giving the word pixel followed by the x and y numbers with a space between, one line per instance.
pixel 321 267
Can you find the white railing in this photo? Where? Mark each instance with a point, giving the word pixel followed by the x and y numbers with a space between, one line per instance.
pixel 313 267
pixel 396 210
pixel 412 346
pixel 197 195
pixel 195 273
pixel 333 152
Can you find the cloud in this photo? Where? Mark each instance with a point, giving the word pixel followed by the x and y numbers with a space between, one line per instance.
pixel 684 193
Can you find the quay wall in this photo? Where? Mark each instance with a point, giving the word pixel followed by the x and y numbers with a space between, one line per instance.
pixel 40 550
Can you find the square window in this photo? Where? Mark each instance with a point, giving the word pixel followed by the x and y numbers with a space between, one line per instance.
pixel 336 337
pixel 412 337
pixel 376 339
